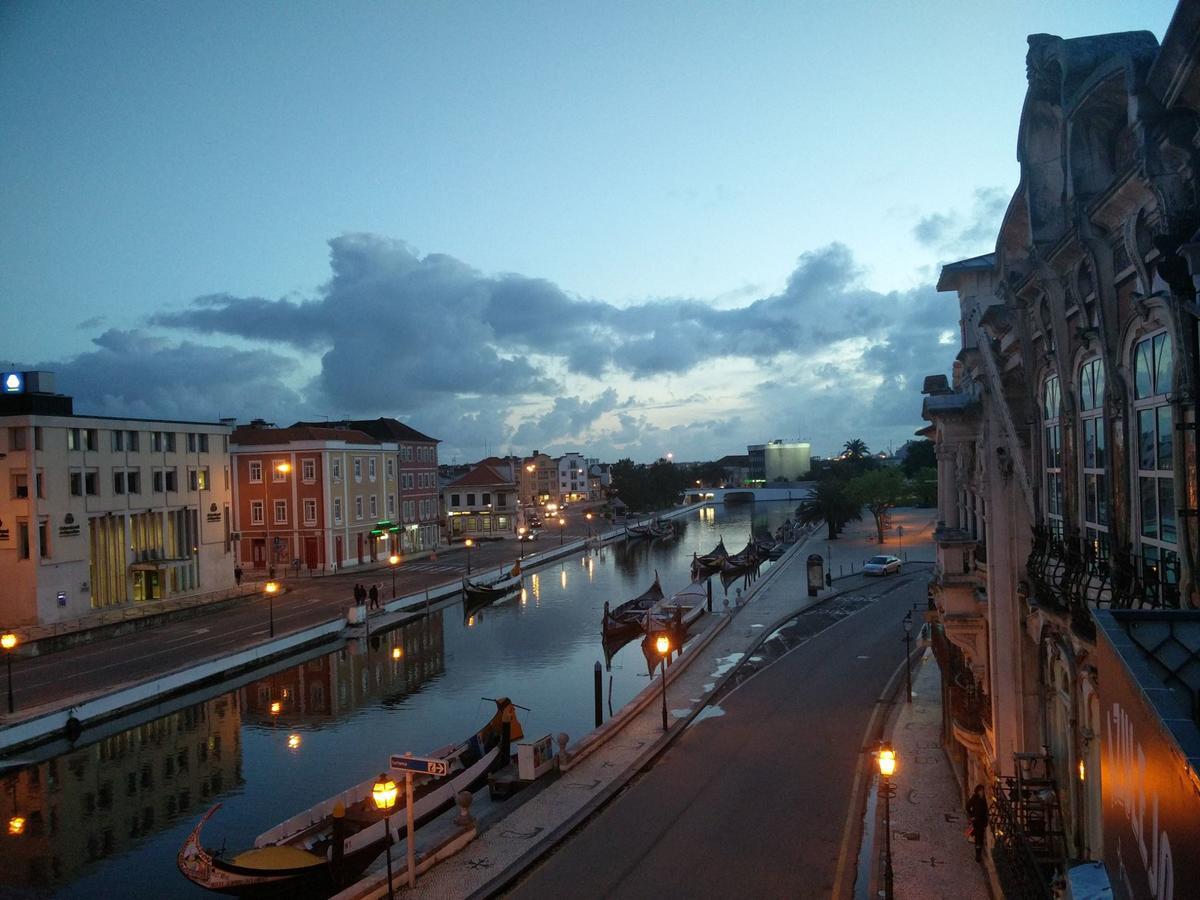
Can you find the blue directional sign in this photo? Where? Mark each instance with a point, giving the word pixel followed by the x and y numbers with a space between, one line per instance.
pixel 419 764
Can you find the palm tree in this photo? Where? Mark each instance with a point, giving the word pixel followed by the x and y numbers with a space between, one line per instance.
pixel 855 449
pixel 831 502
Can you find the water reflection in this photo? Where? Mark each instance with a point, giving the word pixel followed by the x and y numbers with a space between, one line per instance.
pixel 90 804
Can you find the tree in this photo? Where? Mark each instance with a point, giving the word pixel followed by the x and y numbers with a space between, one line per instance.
pixel 880 491
pixel 918 455
pixel 831 502
pixel 855 449
pixel 648 488
pixel 922 485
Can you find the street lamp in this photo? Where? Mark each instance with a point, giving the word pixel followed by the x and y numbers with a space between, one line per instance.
pixel 271 588
pixel 384 795
pixel 520 542
pixel 470 543
pixel 663 645
pixel 908 626
pixel 887 765
pixel 561 523
pixel 8 641
pixel 393 561
pixel 589 525
pixel 282 468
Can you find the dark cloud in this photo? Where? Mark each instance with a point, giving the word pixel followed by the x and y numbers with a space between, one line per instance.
pixel 959 234
pixel 492 363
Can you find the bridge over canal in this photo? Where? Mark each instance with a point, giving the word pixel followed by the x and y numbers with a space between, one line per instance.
pixel 794 493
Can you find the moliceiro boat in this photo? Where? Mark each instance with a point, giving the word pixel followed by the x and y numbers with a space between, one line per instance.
pixel 479 592
pixel 710 563
pixel 329 846
pixel 628 620
pixel 673 616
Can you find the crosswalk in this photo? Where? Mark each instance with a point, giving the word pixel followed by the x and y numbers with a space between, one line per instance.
pixel 429 567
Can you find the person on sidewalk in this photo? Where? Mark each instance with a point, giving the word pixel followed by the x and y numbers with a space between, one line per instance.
pixel 237 575
pixel 977 810
pixel 374 595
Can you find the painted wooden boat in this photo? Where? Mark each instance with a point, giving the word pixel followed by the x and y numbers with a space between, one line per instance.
pixel 329 846
pixel 629 618
pixel 674 616
pixel 710 563
pixel 480 593
pixel 741 562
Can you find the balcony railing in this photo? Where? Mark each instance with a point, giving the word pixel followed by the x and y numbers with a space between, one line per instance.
pixel 1072 573
pixel 1027 824
pixel 969 706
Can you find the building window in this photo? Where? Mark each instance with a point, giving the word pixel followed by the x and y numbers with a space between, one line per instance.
pixel 1152 368
pixel 91 439
pixel 455 500
pixel 310 511
pixel 91 483
pixel 131 440
pixel 76 482
pixel 73 442
pixel 133 481
pixel 118 440
pixel 371 468
pixel 372 505
pixel 337 509
pixel 118 482
pixel 390 469
pixel 169 436
pixel 256 512
pixel 280 512
pixel 203 439
pixel 191 442
pixel 23 540
pixel 172 483
pixel 358 507
pixel 279 470
pixel 44 539
pixel 336 468
pixel 1094 456
pixel 308 471
pixel 255 468
pixel 358 468
pixel 391 504
pixel 1052 453
pixel 406 453
pixel 470 499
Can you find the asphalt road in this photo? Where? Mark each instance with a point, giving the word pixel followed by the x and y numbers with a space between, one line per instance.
pixel 754 802
pixel 62 678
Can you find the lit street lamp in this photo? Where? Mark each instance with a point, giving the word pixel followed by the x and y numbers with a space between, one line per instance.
pixel 384 795
pixel 561 523
pixel 470 543
pixel 8 641
pixel 271 588
pixel 589 525
pixel 887 765
pixel 663 645
pixel 282 468
pixel 393 561
pixel 520 542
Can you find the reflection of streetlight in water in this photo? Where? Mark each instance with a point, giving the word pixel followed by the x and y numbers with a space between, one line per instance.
pixel 293 742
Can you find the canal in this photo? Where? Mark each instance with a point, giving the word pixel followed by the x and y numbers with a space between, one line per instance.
pixel 106 820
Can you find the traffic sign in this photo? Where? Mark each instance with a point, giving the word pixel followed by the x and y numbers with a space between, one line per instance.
pixel 420 764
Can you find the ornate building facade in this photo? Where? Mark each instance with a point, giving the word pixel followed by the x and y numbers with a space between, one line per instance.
pixel 1066 592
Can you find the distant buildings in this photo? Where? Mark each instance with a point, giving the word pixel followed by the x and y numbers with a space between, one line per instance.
pixel 778 461
pixel 1065 596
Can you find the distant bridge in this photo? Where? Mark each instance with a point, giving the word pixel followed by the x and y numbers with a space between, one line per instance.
pixel 794 493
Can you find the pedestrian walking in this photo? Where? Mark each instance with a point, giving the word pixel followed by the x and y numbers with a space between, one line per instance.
pixel 374 594
pixel 237 575
pixel 977 810
pixel 359 594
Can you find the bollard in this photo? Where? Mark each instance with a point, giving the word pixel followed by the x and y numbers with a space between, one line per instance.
pixel 464 819
pixel 563 739
pixel 599 694
pixel 708 590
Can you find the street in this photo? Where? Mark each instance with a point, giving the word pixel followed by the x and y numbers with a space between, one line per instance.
pixel 753 801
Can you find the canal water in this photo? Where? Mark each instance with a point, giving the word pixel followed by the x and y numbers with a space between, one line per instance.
pixel 106 820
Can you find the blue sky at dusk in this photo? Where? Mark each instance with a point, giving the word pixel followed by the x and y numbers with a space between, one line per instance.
pixel 624 229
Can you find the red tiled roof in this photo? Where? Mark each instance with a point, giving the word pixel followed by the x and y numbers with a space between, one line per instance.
pixel 244 435
pixel 383 428
pixel 481 476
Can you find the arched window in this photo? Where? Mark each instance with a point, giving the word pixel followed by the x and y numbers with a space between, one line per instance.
pixel 1155 464
pixel 1093 456
pixel 1052 453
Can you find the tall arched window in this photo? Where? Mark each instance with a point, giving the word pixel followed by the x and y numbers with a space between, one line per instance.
pixel 1094 456
pixel 1155 463
pixel 1052 453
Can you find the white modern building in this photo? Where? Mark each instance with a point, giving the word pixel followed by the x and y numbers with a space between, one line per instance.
pixel 99 513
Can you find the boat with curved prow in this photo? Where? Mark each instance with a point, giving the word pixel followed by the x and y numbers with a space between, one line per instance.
pixel 710 563
pixel 480 593
pixel 329 846
pixel 629 619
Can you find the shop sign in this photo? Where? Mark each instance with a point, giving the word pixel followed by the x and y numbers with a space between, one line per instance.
pixel 214 514
pixel 68 528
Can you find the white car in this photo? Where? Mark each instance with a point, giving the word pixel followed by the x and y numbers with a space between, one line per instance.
pixel 881 565
pixel 530 535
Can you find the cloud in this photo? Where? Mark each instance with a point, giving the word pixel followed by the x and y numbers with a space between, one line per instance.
pixel 497 362
pixel 959 234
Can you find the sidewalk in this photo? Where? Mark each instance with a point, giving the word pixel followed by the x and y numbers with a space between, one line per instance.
pixel 930 855
pixel 601 764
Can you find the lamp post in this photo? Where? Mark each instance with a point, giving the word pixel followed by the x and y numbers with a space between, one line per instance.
pixel 520 542
pixel 469 543
pixel 663 645
pixel 887 765
pixel 908 626
pixel 282 468
pixel 384 795
pixel 8 641
pixel 589 525
pixel 561 523
pixel 393 561
pixel 271 588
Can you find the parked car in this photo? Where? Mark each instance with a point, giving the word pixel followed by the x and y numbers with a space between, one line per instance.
pixel 881 565
pixel 535 522
pixel 530 535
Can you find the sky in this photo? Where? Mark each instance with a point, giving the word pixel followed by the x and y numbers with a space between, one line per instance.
pixel 625 230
